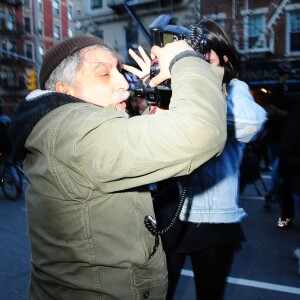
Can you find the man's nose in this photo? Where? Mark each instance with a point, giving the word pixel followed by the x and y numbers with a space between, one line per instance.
pixel 123 83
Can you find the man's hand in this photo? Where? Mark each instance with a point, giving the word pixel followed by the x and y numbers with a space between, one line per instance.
pixel 165 56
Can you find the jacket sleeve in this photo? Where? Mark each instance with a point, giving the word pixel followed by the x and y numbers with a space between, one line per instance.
pixel 117 153
pixel 245 118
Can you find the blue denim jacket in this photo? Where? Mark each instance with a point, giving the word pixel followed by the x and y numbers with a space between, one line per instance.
pixel 213 192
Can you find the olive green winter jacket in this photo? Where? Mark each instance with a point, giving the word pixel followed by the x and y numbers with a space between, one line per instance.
pixel 88 168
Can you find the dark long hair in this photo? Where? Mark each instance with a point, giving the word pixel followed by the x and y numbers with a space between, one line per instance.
pixel 207 35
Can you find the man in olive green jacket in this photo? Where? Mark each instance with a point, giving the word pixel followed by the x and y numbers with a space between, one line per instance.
pixel 88 166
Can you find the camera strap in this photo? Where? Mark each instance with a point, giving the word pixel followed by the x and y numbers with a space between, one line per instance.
pixel 151 223
pixel 153 110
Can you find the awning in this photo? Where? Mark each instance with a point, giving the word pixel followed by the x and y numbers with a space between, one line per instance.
pixel 266 74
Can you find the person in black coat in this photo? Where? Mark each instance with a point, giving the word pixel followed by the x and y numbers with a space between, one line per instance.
pixel 289 165
pixel 279 105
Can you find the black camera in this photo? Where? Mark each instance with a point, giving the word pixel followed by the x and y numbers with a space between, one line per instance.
pixel 163 31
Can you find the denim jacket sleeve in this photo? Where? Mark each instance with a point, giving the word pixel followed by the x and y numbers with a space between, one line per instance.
pixel 245 118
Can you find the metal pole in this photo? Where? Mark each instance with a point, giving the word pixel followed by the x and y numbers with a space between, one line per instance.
pixel 198 10
pixel 17 55
pixel 37 39
pixel 138 22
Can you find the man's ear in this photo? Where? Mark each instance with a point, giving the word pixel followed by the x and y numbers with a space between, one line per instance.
pixel 62 88
pixel 225 58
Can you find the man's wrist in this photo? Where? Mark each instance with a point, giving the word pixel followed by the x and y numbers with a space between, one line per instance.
pixel 187 53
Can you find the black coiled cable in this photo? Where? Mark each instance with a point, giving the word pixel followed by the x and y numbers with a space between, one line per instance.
pixel 151 223
pixel 199 40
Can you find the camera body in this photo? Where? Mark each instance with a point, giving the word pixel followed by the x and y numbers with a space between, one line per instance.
pixel 163 31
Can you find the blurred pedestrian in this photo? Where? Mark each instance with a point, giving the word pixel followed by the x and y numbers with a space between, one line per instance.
pixel 6 147
pixel 279 105
pixel 88 166
pixel 289 163
pixel 289 167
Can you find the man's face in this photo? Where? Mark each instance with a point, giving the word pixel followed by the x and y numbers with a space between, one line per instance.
pixel 99 81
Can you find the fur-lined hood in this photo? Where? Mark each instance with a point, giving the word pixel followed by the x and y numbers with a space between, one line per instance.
pixel 38 103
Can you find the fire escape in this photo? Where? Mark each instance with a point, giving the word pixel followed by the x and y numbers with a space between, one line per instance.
pixel 131 7
pixel 265 41
pixel 11 31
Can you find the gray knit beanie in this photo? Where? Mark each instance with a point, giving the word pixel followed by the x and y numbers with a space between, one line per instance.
pixel 55 55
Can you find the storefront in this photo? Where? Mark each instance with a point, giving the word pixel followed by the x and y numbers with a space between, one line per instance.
pixel 266 74
pixel 262 77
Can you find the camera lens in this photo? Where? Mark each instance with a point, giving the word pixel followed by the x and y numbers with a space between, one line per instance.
pixel 154 69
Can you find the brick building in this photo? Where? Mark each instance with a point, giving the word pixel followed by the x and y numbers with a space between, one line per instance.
pixel 27 29
pixel 266 33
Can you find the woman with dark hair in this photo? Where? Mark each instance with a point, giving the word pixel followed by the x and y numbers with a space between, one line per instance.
pixel 208 35
pixel 209 229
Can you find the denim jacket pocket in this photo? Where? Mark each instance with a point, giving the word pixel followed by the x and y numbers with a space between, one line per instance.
pixel 150 280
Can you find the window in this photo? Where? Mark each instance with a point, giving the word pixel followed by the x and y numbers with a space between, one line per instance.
pixel 2 43
pixel 70 12
pixel 255 38
pixel 2 20
pixel 41 28
pixel 42 51
pixel 29 50
pixel 294 31
pixel 70 32
pixel 13 46
pixel 27 25
pixel 40 5
pixel 220 22
pixel 4 47
pixel 98 33
pixel 11 24
pixel 219 18
pixel 8 45
pixel 131 38
pixel 96 4
pixel 56 8
pixel 11 78
pixel 256 27
pixel 56 32
pixel 4 77
pixel 26 2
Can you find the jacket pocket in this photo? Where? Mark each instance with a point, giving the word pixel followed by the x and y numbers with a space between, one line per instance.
pixel 150 280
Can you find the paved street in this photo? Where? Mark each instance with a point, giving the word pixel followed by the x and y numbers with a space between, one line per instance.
pixel 14 249
pixel 264 269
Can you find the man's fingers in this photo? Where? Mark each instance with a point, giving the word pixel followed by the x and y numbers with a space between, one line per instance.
pixel 155 50
pixel 157 80
pixel 164 56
